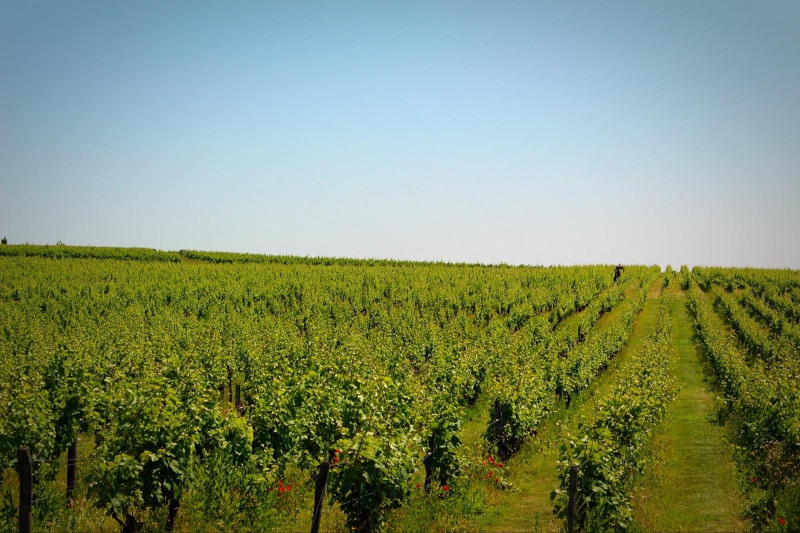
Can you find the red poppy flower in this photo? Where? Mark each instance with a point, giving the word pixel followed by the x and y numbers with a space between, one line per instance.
pixel 490 473
pixel 445 488
pixel 418 485
pixel 781 521
pixel 754 479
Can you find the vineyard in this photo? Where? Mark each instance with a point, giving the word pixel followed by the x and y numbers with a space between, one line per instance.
pixel 145 390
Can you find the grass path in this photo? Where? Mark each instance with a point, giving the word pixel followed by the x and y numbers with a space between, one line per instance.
pixel 533 469
pixel 692 485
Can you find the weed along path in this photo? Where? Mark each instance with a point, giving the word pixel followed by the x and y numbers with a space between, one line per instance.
pixel 692 484
pixel 532 470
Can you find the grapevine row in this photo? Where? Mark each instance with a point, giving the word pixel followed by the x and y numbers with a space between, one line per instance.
pixel 760 405
pixel 609 449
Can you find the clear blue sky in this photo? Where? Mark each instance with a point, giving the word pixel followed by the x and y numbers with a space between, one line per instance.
pixel 519 132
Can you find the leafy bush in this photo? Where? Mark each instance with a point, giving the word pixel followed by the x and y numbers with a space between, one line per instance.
pixel 377 457
pixel 443 441
pixel 151 437
pixel 686 278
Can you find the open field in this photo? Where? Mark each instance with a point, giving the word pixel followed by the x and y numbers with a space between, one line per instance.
pixel 212 391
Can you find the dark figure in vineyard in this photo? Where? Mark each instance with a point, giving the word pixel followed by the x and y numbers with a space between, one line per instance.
pixel 4 241
pixel 618 272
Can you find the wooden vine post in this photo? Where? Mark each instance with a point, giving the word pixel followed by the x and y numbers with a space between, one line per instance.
pixel 25 490
pixel 572 507
pixel 238 398
pixel 72 464
pixel 503 447
pixel 427 462
pixel 172 513
pixel 319 494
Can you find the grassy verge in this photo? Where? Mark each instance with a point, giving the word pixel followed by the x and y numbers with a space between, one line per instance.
pixel 693 484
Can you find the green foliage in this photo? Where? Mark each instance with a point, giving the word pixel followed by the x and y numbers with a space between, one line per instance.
pixel 233 490
pixel 609 448
pixel 146 449
pixel 60 251
pixel 669 274
pixel 760 399
pixel 149 435
pixel 375 358
pixel 526 392
pixel 28 420
pixel 753 336
pixel 444 441
pixel 377 460
pixel 686 277
pixel 786 331
pixel 242 258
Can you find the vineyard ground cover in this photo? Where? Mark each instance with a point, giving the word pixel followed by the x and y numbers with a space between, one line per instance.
pixel 692 483
pixel 477 416
pixel 533 470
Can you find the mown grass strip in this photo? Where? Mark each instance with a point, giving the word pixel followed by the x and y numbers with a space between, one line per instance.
pixel 692 486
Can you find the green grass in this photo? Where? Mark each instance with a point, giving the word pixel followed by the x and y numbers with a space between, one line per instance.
pixel 533 469
pixel 692 485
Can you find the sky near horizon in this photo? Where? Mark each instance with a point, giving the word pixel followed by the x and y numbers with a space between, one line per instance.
pixel 516 132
